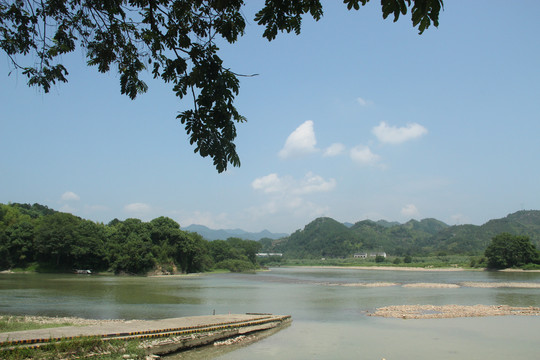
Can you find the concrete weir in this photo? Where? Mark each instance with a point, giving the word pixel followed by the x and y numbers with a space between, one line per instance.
pixel 166 335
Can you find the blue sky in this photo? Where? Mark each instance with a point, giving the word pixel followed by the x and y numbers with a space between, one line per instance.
pixel 357 118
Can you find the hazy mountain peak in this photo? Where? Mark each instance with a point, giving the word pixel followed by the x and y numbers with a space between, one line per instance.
pixel 223 234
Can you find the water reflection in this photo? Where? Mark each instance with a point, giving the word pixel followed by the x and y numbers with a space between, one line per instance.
pixel 328 320
pixel 290 291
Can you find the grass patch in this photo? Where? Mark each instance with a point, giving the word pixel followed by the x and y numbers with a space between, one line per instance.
pixel 40 268
pixel 531 267
pixel 31 268
pixel 90 347
pixel 19 323
pixel 86 347
pixel 234 265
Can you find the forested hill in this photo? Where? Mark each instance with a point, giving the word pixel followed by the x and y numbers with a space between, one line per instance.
pixel 471 238
pixel 325 237
pixel 35 234
pixel 36 237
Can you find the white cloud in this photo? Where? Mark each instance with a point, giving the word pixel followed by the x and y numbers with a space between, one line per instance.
pixel 397 135
pixel 269 183
pixel 287 197
pixel 409 210
pixel 364 102
pixel 70 196
pixel 137 208
pixel 363 155
pixel 311 183
pixel 300 142
pixel 314 183
pixel 334 150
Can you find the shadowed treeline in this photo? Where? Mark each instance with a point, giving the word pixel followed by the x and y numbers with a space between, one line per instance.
pixel 42 239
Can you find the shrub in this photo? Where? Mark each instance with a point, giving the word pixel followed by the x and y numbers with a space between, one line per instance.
pixel 235 265
pixel 531 267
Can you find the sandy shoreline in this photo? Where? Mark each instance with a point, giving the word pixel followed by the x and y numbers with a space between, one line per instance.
pixel 365 284
pixel 386 268
pixel 431 286
pixel 452 311
pixel 409 268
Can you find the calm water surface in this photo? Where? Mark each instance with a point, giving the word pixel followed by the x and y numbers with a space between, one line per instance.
pixel 328 321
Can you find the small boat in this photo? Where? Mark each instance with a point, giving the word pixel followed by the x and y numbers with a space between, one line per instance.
pixel 85 272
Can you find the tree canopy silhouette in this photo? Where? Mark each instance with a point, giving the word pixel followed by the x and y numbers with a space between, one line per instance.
pixel 175 39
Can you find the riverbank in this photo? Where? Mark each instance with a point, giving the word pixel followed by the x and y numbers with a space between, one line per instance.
pixel 388 268
pixel 105 273
pixel 408 268
pixel 354 267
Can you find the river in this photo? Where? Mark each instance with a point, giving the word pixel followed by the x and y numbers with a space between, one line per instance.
pixel 329 320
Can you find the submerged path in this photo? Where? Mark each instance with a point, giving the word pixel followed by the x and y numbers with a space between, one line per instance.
pixel 189 331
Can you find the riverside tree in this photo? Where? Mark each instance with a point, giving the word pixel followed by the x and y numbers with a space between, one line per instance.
pixel 175 39
pixel 508 250
pixel 44 239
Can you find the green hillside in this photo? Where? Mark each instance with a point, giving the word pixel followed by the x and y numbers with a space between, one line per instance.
pixel 326 237
pixel 323 237
pixel 471 238
pixel 36 234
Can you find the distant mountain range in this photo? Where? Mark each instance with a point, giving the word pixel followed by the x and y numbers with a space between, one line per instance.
pixel 326 237
pixel 224 234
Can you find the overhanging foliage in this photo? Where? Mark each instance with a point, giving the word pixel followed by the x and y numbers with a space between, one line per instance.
pixel 175 39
